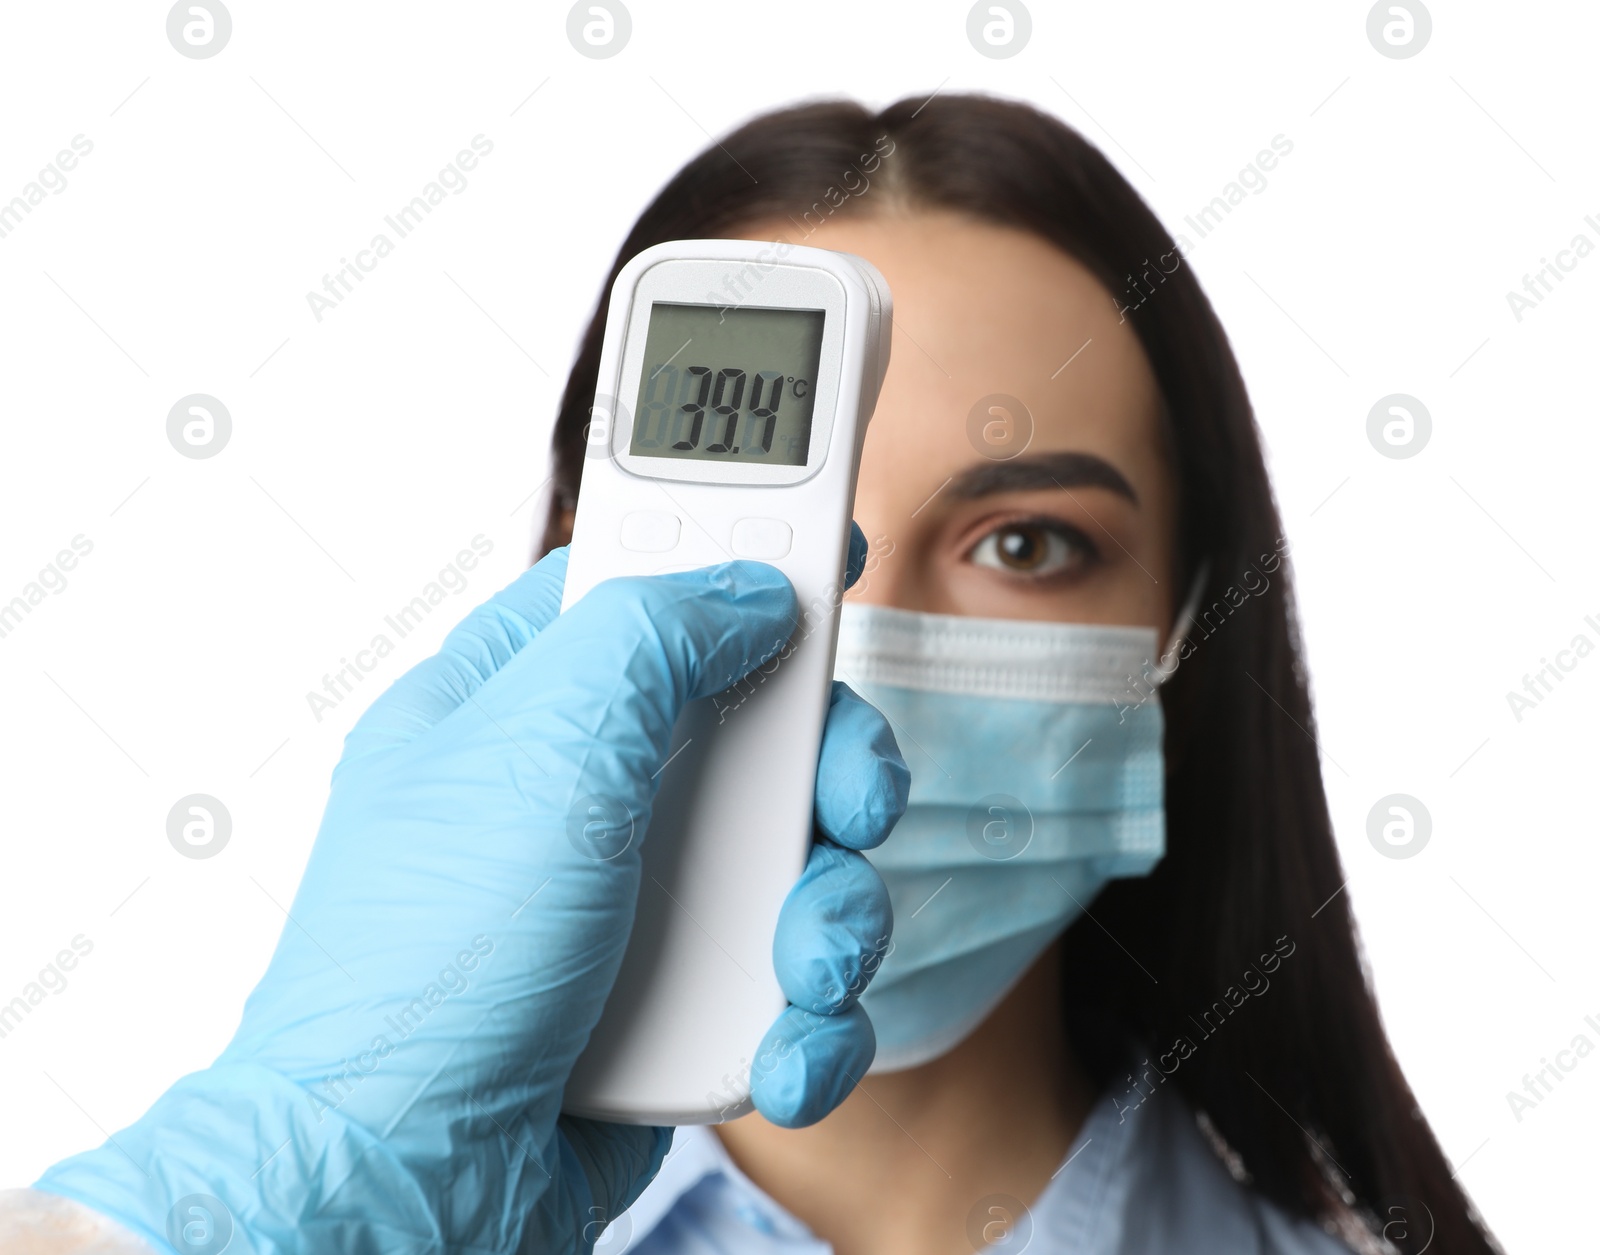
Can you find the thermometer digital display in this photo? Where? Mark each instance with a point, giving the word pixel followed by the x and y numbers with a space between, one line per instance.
pixel 723 431
pixel 733 385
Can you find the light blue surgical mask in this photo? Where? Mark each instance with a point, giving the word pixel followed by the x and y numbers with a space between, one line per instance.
pixel 1036 777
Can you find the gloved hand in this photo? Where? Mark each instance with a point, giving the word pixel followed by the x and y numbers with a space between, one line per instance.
pixel 396 1082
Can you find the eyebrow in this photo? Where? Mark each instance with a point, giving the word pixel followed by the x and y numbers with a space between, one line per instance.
pixel 1042 470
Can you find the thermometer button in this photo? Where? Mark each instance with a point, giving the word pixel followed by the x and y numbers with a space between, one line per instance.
pixel 649 531
pixel 761 538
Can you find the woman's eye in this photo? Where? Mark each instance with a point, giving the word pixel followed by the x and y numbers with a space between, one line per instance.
pixel 1035 549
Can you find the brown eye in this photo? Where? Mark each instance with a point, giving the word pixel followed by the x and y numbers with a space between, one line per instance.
pixel 1034 549
pixel 1022 548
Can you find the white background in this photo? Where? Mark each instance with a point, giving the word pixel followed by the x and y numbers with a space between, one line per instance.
pixel 369 448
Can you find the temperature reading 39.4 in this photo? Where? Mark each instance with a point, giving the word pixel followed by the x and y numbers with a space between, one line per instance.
pixel 716 412
pixel 756 412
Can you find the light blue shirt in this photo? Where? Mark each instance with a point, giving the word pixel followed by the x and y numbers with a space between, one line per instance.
pixel 1136 1180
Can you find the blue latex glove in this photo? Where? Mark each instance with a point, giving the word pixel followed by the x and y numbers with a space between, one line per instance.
pixel 396 1082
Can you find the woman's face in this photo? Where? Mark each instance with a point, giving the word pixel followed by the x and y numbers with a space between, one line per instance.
pixel 1076 526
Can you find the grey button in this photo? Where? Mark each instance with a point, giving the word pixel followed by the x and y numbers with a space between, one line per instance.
pixel 650 531
pixel 762 538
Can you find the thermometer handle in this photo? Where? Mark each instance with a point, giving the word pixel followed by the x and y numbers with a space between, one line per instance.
pixel 731 826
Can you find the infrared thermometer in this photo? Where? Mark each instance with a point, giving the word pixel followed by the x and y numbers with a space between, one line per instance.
pixel 736 381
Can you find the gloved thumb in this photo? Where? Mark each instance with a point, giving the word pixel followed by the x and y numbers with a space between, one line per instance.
pixel 476 648
pixel 604 685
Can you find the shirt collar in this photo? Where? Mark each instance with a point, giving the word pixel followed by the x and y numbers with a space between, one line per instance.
pixel 697 1154
pixel 1075 1198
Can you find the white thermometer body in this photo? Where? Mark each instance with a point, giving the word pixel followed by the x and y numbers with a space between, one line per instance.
pixel 736 381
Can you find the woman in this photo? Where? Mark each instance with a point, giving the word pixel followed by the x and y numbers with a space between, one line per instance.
pixel 1124 1013
pixel 1024 265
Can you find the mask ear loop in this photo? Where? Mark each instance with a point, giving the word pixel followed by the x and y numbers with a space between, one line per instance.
pixel 1167 663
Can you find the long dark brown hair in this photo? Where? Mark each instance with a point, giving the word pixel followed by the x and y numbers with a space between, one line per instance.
pixel 1298 1084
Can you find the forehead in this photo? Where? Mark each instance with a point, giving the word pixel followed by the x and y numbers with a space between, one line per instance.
pixel 981 310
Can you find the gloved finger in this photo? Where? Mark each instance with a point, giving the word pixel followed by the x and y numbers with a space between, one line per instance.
pixel 618 1161
pixel 833 930
pixel 477 647
pixel 862 781
pixel 808 1063
pixel 604 684
pixel 856 560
